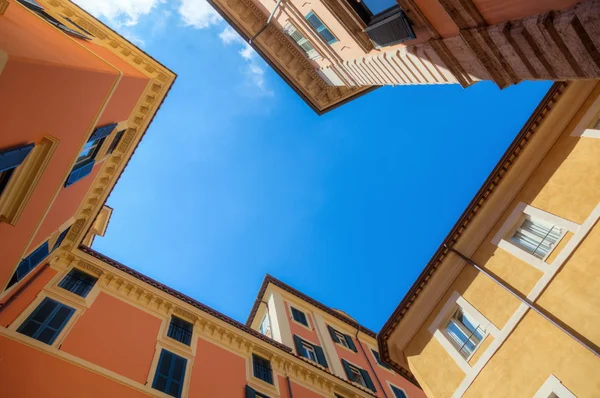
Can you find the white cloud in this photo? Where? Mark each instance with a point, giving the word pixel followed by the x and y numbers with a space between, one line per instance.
pixel 126 12
pixel 198 13
pixel 228 36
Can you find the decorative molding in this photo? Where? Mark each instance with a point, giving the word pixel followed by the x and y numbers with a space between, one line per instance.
pixel 350 21
pixel 464 13
pixel 3 6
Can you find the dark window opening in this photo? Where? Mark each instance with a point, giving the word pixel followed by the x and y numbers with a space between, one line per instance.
pixel 39 10
pixel 78 282
pixel 47 321
pixel 299 316
pixel 115 142
pixel 10 159
pixel 378 358
pixel 170 374
pixel 180 330
pixel 29 263
pixel 262 368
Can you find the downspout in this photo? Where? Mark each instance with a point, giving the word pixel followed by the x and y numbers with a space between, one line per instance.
pixel 265 25
pixel 532 305
pixel 22 288
pixel 370 364
pixel 289 384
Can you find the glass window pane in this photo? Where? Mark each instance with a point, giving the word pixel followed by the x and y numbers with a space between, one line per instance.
pixel 44 310
pixel 314 21
pixel 326 34
pixel 47 335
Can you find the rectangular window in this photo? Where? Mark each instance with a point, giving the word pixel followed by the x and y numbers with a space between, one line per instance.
pixel 398 393
pixel 10 159
pixel 38 9
pixel 85 162
pixel 47 321
pixel 265 327
pixel 29 263
pixel 320 27
pixel 170 373
pixel 180 330
pixel 299 316
pixel 378 358
pixel 252 393
pixel 464 332
pixel 262 369
pixel 115 142
pixel 78 282
pixel 342 339
pixel 310 351
pixel 302 42
pixel 358 375
pixel 536 237
pixel 60 238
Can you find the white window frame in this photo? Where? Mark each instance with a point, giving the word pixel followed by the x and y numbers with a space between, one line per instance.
pixel 362 380
pixel 587 126
pixel 308 350
pixel 267 328
pixel 553 387
pixel 502 239
pixel 313 54
pixel 437 327
pixel 341 337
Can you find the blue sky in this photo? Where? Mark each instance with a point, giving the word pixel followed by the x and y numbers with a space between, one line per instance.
pixel 238 177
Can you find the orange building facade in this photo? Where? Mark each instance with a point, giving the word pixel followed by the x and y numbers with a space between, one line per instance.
pixel 76 99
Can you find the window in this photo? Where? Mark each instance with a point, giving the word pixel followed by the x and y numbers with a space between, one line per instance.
pixel 47 321
pixel 115 142
pixel 60 238
pixel 464 332
pixel 302 42
pixel 323 31
pixel 78 282
pixel 252 393
pixel 85 162
pixel 38 9
pixel 536 237
pixel 180 330
pixel 378 359
pixel 262 369
pixel 398 392
pixel 358 375
pixel 170 373
pixel 299 316
pixel 342 339
pixel 29 263
pixel 553 388
pixel 310 351
pixel 265 326
pixel 10 159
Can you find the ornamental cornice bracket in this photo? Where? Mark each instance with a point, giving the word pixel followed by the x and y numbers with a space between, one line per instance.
pixel 89 267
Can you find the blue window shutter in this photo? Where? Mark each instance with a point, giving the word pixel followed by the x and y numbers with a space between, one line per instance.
pixel 346 366
pixel 11 158
pixel 31 261
pixel 298 343
pixel 102 131
pixel 398 393
pixel 81 171
pixel 320 356
pixel 334 336
pixel 368 380
pixel 60 238
pixel 250 393
pixel 170 373
pixel 47 321
pixel 350 343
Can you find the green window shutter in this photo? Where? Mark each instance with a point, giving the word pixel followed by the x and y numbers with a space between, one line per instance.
pixel 298 344
pixel 346 366
pixel 11 158
pixel 320 356
pixel 351 343
pixel 102 132
pixel 368 380
pixel 250 393
pixel 334 336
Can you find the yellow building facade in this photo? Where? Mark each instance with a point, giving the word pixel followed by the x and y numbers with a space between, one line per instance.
pixel 526 323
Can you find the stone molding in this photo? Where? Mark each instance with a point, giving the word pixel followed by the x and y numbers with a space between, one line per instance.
pixel 3 6
pixel 350 21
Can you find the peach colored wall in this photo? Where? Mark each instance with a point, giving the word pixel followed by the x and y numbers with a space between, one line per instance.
pixel 298 391
pixel 115 336
pixel 499 11
pixel 14 309
pixel 296 329
pixel 50 86
pixel 29 373
pixel 438 17
pixel 217 372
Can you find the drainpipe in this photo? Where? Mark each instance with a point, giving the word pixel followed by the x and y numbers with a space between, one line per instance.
pixel 289 386
pixel 267 24
pixel 22 288
pixel 533 306
pixel 370 365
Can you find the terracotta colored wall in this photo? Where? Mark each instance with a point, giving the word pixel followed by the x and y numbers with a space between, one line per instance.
pixel 50 86
pixel 15 308
pixel 298 390
pixel 115 336
pixel 29 373
pixel 217 372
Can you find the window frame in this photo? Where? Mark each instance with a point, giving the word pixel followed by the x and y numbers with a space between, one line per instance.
pixel 191 332
pixel 293 307
pixel 503 238
pixel 394 387
pixel 588 124
pixel 309 349
pixel 341 339
pixel 464 329
pixel 155 367
pixel 289 29
pixel 253 362
pixel 321 28
pixel 77 270
pixel 553 386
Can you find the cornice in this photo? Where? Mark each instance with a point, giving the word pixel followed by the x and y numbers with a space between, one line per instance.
pixel 485 192
pixel 154 297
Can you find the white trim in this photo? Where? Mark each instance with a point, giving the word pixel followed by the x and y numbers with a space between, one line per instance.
pixel 521 209
pixel 582 129
pixel 553 386
pixel 452 304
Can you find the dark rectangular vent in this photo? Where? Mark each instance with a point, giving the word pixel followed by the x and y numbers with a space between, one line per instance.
pixel 390 27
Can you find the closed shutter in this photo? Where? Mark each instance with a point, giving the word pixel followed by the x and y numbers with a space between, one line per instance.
pixel 81 171
pixel 346 366
pixel 398 393
pixel 250 393
pixel 102 132
pixel 31 261
pixel 60 238
pixel 334 336
pixel 298 344
pixel 390 27
pixel 320 356
pixel 12 158
pixel 368 380
pixel 378 358
pixel 350 343
pixel 170 373
pixel 46 322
